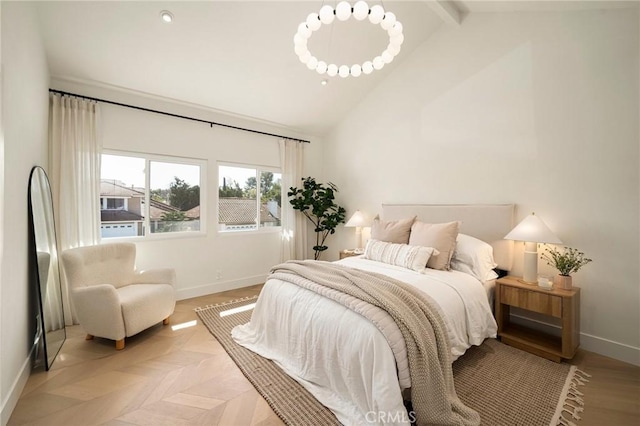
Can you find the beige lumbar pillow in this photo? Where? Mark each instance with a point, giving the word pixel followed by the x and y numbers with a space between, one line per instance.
pixel 441 236
pixel 396 231
pixel 406 256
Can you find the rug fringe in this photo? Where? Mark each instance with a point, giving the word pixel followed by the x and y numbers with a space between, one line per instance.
pixel 571 402
pixel 243 299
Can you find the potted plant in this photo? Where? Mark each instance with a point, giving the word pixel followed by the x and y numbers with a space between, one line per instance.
pixel 316 202
pixel 567 262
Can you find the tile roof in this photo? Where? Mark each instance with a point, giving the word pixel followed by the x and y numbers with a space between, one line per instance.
pixel 242 211
pixel 193 213
pixel 115 188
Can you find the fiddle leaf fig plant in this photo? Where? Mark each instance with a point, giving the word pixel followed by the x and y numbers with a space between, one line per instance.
pixel 567 262
pixel 316 202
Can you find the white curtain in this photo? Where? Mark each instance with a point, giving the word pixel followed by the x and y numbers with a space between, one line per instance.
pixel 75 148
pixel 294 229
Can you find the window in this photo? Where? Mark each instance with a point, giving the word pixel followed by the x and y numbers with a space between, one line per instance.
pixel 134 203
pixel 113 203
pixel 245 205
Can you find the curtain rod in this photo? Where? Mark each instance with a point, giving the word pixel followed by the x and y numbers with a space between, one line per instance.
pixel 210 123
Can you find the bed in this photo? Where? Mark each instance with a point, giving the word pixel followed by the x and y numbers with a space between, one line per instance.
pixel 345 360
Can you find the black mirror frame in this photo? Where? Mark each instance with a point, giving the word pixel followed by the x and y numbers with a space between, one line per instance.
pixel 41 325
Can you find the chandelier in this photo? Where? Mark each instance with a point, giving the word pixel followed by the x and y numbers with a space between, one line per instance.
pixel 343 11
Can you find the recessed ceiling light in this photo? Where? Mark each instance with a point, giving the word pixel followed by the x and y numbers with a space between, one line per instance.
pixel 166 16
pixel 324 82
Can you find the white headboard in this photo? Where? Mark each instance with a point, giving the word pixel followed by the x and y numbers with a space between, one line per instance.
pixel 487 222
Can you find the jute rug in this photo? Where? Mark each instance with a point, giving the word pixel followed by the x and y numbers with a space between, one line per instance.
pixel 508 387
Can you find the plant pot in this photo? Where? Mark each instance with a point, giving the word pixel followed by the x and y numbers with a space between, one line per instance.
pixel 564 281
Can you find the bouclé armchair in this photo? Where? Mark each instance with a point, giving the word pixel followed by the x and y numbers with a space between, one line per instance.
pixel 112 299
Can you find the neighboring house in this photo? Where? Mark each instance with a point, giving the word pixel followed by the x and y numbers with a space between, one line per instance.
pixel 240 213
pixel 122 208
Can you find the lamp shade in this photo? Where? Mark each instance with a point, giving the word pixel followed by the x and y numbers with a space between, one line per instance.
pixel 356 220
pixel 533 229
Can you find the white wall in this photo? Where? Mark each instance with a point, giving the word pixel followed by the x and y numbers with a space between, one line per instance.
pixel 536 109
pixel 25 80
pixel 243 258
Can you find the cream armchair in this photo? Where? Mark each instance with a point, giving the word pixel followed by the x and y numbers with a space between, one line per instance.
pixel 112 299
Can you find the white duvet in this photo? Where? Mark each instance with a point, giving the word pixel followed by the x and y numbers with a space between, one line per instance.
pixel 352 369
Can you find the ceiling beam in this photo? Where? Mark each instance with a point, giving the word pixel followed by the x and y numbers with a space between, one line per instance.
pixel 446 10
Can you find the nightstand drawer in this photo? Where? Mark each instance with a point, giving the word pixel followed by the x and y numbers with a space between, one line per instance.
pixel 532 300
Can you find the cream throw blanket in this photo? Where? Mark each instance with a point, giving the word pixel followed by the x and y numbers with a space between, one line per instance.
pixel 433 395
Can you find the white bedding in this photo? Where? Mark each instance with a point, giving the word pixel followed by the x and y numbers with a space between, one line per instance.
pixel 353 369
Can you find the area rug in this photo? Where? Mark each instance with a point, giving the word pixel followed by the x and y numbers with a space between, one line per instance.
pixel 505 385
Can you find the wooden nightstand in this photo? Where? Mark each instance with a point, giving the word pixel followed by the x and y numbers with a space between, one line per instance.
pixel 349 253
pixel 558 303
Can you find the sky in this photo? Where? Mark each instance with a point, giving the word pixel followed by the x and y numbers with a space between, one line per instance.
pixel 239 174
pixel 130 171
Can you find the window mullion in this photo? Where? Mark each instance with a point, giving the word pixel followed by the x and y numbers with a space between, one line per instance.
pixel 258 197
pixel 147 197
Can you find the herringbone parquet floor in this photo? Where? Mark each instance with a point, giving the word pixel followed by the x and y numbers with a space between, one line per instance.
pixel 184 377
pixel 162 377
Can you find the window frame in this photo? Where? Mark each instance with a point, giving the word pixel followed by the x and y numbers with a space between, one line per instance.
pixel 259 169
pixel 148 158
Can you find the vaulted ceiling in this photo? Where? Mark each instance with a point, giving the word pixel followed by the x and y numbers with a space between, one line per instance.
pixel 233 56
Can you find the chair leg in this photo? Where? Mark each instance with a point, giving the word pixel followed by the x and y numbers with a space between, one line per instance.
pixel 89 337
pixel 166 321
pixel 119 345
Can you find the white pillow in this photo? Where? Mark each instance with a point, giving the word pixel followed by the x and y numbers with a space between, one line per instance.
pixel 404 255
pixel 474 257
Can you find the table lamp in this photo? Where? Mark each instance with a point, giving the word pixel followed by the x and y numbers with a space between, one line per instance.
pixel 357 221
pixel 532 230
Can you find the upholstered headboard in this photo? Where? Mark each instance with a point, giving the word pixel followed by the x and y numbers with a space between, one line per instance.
pixel 487 222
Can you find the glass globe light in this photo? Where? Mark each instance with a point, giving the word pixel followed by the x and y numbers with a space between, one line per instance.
pixel 376 14
pixel 388 21
pixel 343 71
pixel 312 63
pixel 397 39
pixel 304 31
pixel 360 10
pixel 394 49
pixel 367 67
pixel 356 70
pixel 332 70
pixel 300 49
pixel 313 21
pixel 378 63
pixel 322 67
pixel 386 57
pixel 396 29
pixel 304 58
pixel 299 40
pixel 326 14
pixel 343 11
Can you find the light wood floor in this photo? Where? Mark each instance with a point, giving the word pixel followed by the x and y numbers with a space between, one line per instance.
pixel 184 377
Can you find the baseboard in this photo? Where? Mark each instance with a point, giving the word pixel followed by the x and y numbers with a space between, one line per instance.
pixel 219 286
pixel 589 342
pixel 11 400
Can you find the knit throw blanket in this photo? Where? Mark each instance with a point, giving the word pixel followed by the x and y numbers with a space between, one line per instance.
pixel 433 396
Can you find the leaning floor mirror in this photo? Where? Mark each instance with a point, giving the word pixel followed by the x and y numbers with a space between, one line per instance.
pixel 51 332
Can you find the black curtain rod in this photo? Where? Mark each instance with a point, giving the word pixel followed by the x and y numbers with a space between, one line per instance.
pixel 210 123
